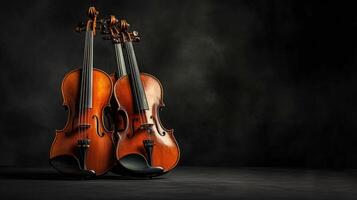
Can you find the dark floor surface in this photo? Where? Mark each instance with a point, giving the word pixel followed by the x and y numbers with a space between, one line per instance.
pixel 184 183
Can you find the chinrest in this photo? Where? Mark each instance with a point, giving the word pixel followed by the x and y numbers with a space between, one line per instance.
pixel 137 165
pixel 69 165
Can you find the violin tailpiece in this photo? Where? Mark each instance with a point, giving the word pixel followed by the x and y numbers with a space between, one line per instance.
pixel 148 146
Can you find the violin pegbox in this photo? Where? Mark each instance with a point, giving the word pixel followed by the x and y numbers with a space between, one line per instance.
pixel 117 31
pixel 92 22
pixel 126 35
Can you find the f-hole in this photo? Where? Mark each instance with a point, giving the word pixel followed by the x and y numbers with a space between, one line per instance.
pixel 132 127
pixel 100 134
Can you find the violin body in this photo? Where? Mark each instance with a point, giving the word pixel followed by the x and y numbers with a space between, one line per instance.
pixel 100 155
pixel 117 115
pixel 165 151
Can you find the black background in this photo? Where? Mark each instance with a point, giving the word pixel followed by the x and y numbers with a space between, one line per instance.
pixel 246 83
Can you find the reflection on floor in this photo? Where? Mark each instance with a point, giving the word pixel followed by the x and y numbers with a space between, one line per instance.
pixel 184 183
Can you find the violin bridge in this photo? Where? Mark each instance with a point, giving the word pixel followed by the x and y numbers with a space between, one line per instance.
pixel 146 126
pixel 83 126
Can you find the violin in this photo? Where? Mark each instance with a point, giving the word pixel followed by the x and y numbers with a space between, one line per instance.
pixel 109 30
pixel 84 147
pixel 144 147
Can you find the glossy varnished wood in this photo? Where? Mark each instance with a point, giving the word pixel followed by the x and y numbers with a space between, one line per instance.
pixel 166 152
pixel 100 156
pixel 118 115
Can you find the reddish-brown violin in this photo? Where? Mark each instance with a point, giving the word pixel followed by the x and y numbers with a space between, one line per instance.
pixel 84 147
pixel 140 96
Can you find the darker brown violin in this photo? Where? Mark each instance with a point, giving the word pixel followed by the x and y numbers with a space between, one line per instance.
pixel 144 147
pixel 84 147
pixel 110 32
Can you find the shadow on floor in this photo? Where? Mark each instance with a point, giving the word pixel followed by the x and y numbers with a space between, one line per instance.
pixel 15 173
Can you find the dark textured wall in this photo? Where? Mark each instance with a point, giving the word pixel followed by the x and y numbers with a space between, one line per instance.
pixel 246 82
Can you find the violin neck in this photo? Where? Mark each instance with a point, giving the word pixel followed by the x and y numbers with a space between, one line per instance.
pixel 87 72
pixel 135 80
pixel 121 69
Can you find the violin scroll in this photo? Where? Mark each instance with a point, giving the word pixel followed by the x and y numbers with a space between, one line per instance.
pixel 92 14
pixel 117 31
pixel 92 23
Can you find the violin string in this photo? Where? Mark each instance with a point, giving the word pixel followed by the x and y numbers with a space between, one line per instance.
pixel 116 47
pixel 91 81
pixel 85 99
pixel 134 93
pixel 82 88
pixel 137 76
pixel 121 61
pixel 136 83
pixel 91 75
pixel 83 85
pixel 142 113
pixel 86 89
pixel 88 86
pixel 133 75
